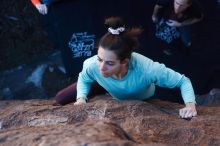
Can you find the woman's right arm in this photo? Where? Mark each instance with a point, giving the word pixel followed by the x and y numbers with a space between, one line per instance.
pixel 85 80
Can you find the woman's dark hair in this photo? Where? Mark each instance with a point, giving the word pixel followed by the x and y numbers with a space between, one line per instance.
pixel 121 44
pixel 189 2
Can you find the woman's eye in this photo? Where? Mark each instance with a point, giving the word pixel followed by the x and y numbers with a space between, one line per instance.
pixel 110 64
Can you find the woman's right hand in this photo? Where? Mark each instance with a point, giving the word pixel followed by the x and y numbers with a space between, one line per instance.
pixel 80 101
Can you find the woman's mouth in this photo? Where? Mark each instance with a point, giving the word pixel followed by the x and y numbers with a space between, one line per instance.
pixel 103 73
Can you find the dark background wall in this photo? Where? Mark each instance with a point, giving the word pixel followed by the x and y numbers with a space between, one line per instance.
pixel 24 35
pixel 201 66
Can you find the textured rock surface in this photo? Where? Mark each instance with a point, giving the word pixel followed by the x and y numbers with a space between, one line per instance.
pixel 104 121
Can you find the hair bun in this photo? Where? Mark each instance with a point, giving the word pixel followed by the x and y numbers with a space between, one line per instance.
pixel 114 22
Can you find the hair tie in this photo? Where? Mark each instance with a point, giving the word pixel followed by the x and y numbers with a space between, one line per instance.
pixel 116 31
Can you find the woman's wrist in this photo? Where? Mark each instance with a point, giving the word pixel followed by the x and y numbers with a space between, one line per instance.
pixel 191 104
pixel 81 99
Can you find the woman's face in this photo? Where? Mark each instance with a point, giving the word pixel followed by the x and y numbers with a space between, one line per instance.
pixel 108 63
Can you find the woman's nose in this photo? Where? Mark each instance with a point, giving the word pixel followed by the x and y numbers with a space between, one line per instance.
pixel 103 66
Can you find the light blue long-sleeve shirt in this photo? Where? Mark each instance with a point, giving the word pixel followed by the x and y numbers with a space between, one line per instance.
pixel 138 83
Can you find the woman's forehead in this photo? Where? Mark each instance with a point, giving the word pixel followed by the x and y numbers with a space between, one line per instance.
pixel 106 55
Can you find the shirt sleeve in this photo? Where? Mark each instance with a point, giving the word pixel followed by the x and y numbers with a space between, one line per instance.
pixel 34 2
pixel 166 77
pixel 187 91
pixel 85 80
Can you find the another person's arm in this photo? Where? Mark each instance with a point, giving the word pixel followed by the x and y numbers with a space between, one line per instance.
pixel 190 21
pixel 158 9
pixel 155 16
pixel 42 8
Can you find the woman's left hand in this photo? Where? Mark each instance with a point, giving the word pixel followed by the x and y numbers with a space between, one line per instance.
pixel 189 111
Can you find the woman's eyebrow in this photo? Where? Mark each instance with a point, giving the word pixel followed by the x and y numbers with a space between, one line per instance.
pixel 99 57
pixel 106 60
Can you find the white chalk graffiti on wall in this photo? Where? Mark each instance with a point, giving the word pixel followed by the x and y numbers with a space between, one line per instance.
pixel 81 44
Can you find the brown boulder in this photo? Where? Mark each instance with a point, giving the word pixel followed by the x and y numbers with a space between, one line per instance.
pixel 105 122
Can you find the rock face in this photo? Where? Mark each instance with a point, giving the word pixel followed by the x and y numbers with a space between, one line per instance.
pixel 106 122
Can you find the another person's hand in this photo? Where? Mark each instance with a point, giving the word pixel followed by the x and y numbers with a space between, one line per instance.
pixel 80 101
pixel 173 23
pixel 189 111
pixel 155 19
pixel 42 8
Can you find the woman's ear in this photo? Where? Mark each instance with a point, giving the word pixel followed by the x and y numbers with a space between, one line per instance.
pixel 125 61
